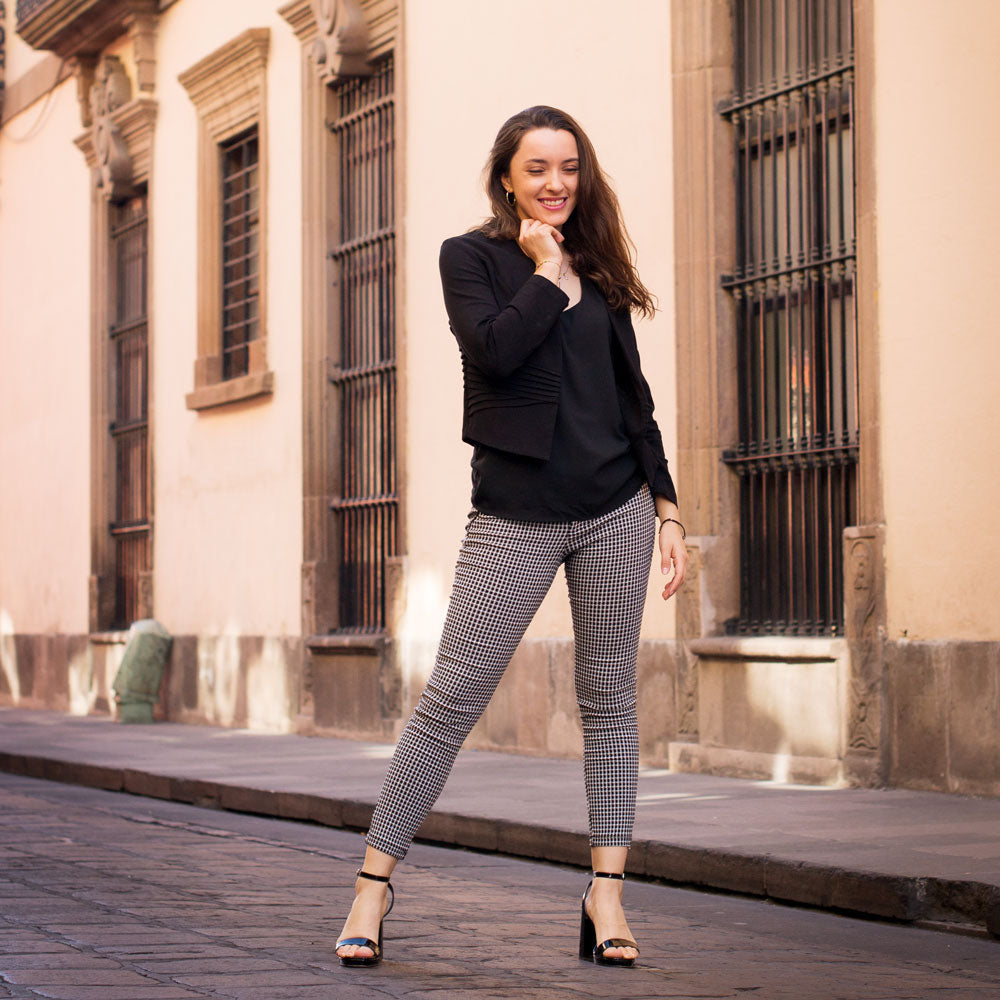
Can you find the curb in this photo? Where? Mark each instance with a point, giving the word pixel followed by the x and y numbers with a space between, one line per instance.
pixel 955 904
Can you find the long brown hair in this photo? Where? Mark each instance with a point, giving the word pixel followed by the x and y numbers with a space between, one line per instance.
pixel 595 235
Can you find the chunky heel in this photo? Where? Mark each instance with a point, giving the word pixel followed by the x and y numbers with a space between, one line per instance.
pixel 363 942
pixel 588 936
pixel 590 950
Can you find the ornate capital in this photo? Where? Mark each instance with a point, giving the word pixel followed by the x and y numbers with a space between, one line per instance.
pixel 341 46
pixel 111 90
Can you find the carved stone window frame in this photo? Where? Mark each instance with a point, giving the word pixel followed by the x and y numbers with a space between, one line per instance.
pixel 122 132
pixel 705 242
pixel 333 46
pixel 229 91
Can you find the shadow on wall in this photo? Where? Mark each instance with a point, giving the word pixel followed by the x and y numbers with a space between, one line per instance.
pixel 773 719
pixel 229 679
pixel 233 679
pixel 10 682
pixel 534 709
pixel 49 671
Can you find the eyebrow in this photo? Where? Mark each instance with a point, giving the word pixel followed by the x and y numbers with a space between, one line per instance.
pixel 539 159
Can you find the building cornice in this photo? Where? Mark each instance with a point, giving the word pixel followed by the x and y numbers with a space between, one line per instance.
pixel 230 76
pixel 299 14
pixel 71 28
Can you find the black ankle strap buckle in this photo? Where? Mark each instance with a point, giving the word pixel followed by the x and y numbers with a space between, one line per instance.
pixel 620 876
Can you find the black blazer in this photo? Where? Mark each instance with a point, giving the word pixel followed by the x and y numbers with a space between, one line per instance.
pixel 504 317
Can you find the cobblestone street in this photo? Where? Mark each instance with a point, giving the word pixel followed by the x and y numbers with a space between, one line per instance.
pixel 105 896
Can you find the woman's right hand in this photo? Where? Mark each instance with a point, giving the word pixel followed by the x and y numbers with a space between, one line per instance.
pixel 540 241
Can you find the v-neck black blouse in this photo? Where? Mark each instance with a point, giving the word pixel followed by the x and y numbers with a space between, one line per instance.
pixel 592 468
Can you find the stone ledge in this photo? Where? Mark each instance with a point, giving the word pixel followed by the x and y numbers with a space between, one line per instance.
pixel 234 390
pixel 730 762
pixel 769 647
pixel 346 644
pixel 119 638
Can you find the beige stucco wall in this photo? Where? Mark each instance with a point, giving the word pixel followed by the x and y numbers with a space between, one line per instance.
pixel 456 99
pixel 44 364
pixel 227 483
pixel 938 218
pixel 228 532
pixel 20 57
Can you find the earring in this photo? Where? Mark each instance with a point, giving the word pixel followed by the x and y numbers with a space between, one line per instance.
pixel 511 200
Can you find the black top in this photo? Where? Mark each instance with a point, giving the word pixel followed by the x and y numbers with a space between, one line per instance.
pixel 506 321
pixel 591 468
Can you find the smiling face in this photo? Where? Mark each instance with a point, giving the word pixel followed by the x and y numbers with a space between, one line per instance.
pixel 544 174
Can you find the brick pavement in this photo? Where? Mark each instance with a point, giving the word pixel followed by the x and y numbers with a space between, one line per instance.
pixel 108 897
pixel 912 856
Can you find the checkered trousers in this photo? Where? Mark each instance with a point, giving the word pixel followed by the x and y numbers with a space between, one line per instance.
pixel 504 570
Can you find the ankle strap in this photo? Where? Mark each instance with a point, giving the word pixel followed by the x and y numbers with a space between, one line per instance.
pixel 618 875
pixel 375 878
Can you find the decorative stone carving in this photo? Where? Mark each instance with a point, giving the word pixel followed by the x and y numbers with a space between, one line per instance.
pixel 83 69
pixel 308 598
pixel 111 90
pixel 864 596
pixel 863 733
pixel 341 48
pixel 687 696
pixel 689 626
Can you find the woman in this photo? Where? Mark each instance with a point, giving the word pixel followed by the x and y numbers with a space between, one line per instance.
pixel 567 469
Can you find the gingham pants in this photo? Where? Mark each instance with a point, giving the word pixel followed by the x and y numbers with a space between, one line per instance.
pixel 504 570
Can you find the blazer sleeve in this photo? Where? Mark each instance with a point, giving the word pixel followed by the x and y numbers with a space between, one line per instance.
pixel 496 339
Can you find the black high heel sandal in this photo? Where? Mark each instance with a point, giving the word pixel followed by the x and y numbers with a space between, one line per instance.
pixel 590 950
pixel 363 942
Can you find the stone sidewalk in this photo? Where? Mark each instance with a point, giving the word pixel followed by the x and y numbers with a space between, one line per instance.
pixel 919 857
pixel 105 896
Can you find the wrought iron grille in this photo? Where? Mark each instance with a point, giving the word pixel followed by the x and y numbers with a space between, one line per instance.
pixel 240 252
pixel 365 271
pixel 26 9
pixel 793 287
pixel 130 529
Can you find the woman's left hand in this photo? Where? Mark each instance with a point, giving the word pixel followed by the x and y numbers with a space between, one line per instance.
pixel 673 556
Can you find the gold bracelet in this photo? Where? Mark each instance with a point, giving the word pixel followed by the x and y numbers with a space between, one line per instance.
pixel 542 263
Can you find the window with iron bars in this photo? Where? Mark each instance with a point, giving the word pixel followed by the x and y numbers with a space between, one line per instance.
pixel 130 528
pixel 240 251
pixel 365 275
pixel 793 287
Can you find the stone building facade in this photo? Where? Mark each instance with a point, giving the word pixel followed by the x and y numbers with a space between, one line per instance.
pixel 229 399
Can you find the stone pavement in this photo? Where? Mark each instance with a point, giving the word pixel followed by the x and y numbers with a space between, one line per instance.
pixel 106 896
pixel 919 857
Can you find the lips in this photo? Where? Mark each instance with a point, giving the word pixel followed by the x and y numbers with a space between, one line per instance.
pixel 553 204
